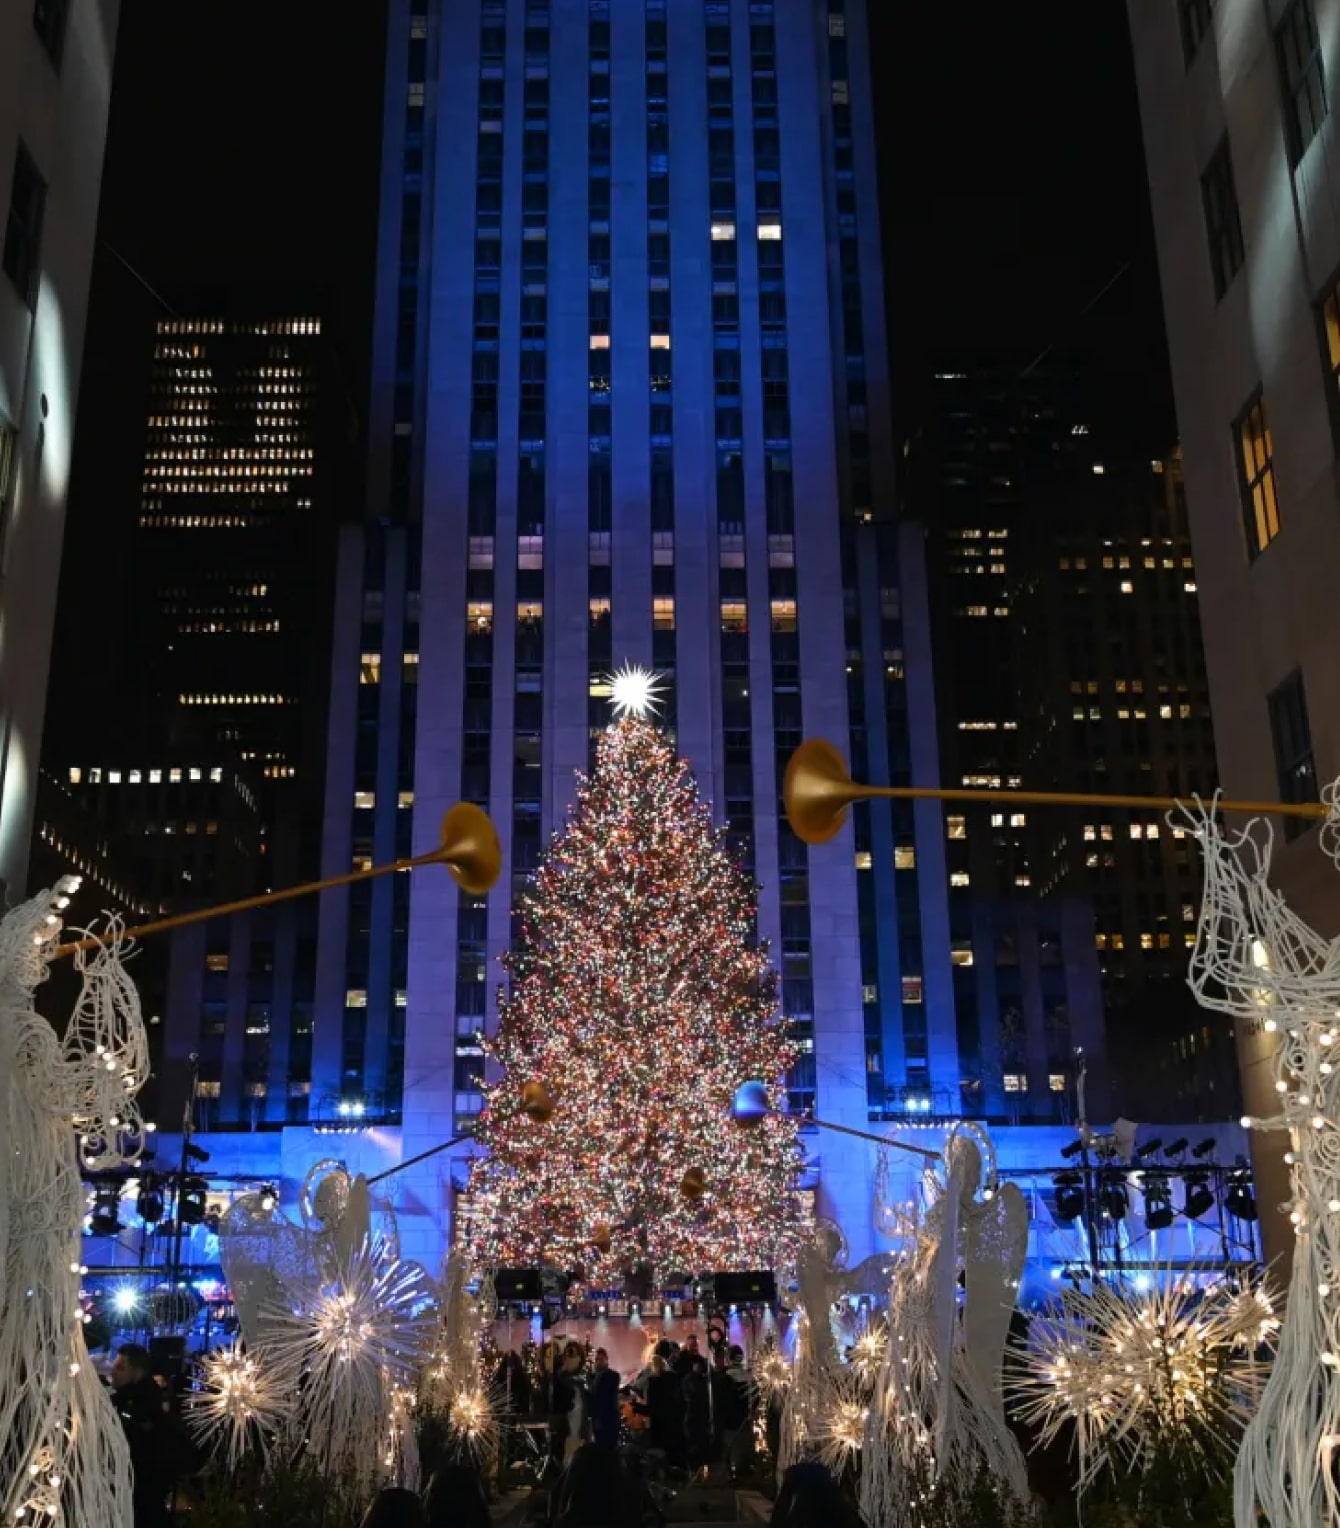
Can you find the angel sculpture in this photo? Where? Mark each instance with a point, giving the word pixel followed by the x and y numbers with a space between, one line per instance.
pixel 1257 960
pixel 937 1417
pixel 332 1308
pixel 66 1102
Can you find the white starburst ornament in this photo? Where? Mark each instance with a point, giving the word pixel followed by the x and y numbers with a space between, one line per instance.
pixel 635 691
pixel 241 1403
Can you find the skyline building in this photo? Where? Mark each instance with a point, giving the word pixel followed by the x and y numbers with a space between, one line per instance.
pixel 55 86
pixel 1239 130
pixel 630 403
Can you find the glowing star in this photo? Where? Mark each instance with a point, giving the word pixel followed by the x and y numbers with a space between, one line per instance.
pixel 241 1403
pixel 635 691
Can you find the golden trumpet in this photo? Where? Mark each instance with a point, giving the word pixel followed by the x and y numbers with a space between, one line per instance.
pixel 467 845
pixel 817 790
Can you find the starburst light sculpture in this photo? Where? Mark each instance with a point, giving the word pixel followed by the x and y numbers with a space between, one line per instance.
pixel 242 1403
pixel 1173 1370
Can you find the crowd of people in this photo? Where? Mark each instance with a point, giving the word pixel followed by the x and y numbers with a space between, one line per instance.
pixel 685 1412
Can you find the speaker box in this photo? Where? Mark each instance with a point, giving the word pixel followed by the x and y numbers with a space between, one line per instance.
pixel 756 1288
pixel 167 1355
pixel 512 1285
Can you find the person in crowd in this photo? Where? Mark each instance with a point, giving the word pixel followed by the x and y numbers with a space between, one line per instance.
pixel 574 1362
pixel 143 1407
pixel 603 1396
pixel 809 1497
pixel 395 1508
pixel 664 1412
pixel 697 1404
pixel 456 1498
pixel 601 1490
pixel 687 1356
pixel 732 1396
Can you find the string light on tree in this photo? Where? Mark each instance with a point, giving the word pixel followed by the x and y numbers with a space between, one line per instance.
pixel 639 1002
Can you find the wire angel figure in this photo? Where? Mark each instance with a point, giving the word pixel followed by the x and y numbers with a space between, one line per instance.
pixel 63 1454
pixel 937 1416
pixel 1258 961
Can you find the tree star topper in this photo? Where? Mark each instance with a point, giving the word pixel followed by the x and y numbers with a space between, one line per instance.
pixel 635 691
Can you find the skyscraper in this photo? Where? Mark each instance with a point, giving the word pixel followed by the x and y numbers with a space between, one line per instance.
pixel 55 81
pixel 630 403
pixel 1239 128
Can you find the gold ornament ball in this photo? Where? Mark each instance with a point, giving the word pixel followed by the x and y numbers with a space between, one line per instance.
pixel 693 1184
pixel 601 1238
pixel 536 1102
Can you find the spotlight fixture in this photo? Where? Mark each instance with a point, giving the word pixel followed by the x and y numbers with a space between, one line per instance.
pixel 1204 1149
pixel 125 1299
pixel 269 1197
pixel 1239 1201
pixel 1158 1207
pixel 1176 1148
pixel 191 1201
pixel 104 1221
pixel 149 1205
pixel 196 1153
pixel 1069 1198
pixel 1113 1201
pixel 1199 1196
pixel 1149 1149
pixel 1073 1150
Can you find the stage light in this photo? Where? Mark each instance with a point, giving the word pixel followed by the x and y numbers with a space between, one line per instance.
pixel 1069 1198
pixel 125 1299
pixel 105 1221
pixel 1176 1148
pixel 191 1201
pixel 1199 1197
pixel 149 1205
pixel 269 1197
pixel 1112 1201
pixel 1204 1149
pixel 1158 1207
pixel 196 1153
pixel 1239 1201
pixel 1149 1149
pixel 1073 1150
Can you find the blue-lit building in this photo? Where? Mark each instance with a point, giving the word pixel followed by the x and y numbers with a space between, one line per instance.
pixel 630 402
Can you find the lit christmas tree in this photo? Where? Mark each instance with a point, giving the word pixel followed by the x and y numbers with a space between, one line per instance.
pixel 640 1001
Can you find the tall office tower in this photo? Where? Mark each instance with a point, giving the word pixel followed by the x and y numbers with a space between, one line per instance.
pixel 1115 701
pixel 630 404
pixel 1244 184
pixel 55 82
pixel 234 556
pixel 990 429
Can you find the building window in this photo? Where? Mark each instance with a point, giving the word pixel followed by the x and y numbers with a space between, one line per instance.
pixel 23 230
pixel 1302 80
pixel 1292 736
pixel 1056 1082
pixel 370 668
pixel 49 19
pixel 1223 225
pixel 1328 313
pixel 904 857
pixel 1195 16
pixel 1016 1082
pixel 1256 467
pixel 911 989
pixel 216 962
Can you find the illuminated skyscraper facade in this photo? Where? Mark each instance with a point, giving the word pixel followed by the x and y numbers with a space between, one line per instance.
pixel 630 403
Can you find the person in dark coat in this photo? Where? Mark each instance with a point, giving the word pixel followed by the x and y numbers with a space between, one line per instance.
pixel 395 1508
pixel 142 1405
pixel 456 1498
pixel 809 1497
pixel 697 1403
pixel 604 1393
pixel 664 1411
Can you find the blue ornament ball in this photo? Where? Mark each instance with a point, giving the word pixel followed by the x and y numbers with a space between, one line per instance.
pixel 750 1104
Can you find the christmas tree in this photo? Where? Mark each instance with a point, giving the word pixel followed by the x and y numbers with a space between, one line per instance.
pixel 641 1001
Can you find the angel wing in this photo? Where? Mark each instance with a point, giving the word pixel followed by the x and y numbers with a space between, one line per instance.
pixel 265 1258
pixel 996 1244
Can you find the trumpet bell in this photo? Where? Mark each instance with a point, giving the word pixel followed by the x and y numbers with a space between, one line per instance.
pixel 816 791
pixel 470 848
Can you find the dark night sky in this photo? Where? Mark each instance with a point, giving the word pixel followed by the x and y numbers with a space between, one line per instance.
pixel 242 151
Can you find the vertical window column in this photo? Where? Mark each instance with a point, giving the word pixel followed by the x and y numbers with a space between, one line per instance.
pixel 481 516
pixel 600 479
pixel 662 495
